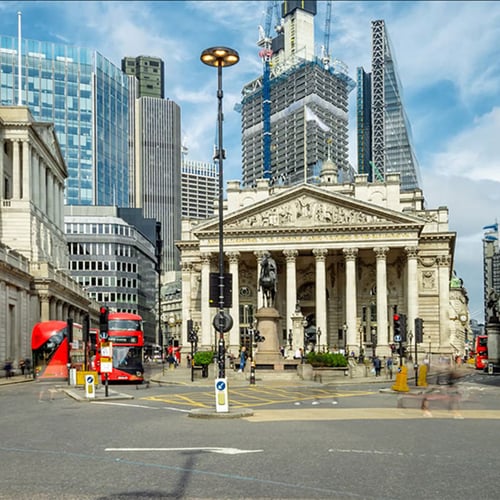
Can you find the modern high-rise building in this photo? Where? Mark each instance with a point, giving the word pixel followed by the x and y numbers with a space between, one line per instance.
pixel 112 256
pixel 307 104
pixel 385 143
pixel 155 158
pixel 86 97
pixel 200 188
pixel 150 74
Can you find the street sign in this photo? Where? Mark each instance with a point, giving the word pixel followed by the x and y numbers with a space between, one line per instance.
pixel 89 386
pixel 106 357
pixel 221 402
pixel 397 338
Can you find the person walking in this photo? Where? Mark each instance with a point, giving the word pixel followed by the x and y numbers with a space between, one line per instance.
pixel 377 364
pixel 389 366
pixel 243 359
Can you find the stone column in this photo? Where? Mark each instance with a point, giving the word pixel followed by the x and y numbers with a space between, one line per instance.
pixel 35 185
pixel 26 171
pixel 205 335
pixel 412 293
pixel 44 307
pixel 382 333
pixel 43 187
pixel 16 170
pixel 260 299
pixel 350 255
pixel 320 254
pixel 444 300
pixel 186 269
pixel 2 186
pixel 234 334
pixel 291 286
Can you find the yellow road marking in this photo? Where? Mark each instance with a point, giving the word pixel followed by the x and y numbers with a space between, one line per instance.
pixel 256 397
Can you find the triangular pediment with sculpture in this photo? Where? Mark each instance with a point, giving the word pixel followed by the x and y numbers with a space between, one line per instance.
pixel 311 207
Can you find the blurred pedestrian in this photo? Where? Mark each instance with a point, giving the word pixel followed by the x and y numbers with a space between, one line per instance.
pixel 27 367
pixel 243 359
pixel 22 365
pixel 389 366
pixel 8 369
pixel 377 364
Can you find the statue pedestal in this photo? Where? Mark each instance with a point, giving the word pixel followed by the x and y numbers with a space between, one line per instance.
pixel 269 350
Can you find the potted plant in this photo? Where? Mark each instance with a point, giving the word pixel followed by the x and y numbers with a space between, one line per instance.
pixel 326 359
pixel 203 359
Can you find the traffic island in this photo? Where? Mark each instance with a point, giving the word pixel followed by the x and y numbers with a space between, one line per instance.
pixel 212 413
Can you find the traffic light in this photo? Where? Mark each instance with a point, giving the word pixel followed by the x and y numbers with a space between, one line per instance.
pixel 396 321
pixel 419 330
pixel 214 290
pixel 103 322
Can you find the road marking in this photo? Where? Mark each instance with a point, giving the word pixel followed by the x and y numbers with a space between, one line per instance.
pixel 223 451
pixel 311 414
pixel 110 403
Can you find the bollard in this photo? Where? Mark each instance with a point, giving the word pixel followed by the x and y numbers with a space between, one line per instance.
pixel 422 376
pixel 401 384
pixel 252 373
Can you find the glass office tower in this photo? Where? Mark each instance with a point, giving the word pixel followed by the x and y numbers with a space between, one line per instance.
pixel 86 97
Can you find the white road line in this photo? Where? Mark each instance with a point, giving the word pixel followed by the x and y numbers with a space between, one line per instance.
pixel 123 404
pixel 224 451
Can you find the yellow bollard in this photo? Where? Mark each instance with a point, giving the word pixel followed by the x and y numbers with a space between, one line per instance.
pixel 401 384
pixel 422 376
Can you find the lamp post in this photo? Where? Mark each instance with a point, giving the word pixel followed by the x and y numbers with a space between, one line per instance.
pixel 344 330
pixel 304 325
pixel 318 333
pixel 220 57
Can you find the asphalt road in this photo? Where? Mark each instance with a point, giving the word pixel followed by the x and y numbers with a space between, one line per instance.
pixel 326 442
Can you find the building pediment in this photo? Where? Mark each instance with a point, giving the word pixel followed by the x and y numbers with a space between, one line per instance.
pixel 311 208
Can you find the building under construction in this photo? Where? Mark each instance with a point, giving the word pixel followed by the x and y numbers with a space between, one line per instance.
pixel 300 104
pixel 384 132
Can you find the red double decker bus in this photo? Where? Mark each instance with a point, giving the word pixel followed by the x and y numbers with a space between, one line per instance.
pixel 52 351
pixel 125 333
pixel 481 352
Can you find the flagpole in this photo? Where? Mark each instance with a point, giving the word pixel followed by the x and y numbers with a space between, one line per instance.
pixel 305 146
pixel 19 60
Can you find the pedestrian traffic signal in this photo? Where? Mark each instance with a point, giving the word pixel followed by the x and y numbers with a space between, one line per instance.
pixel 103 322
pixel 396 321
pixel 402 319
pixel 419 330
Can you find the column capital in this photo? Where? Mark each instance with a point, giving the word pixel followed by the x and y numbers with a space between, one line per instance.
pixel 206 257
pixel 290 255
pixel 233 257
pixel 411 252
pixel 350 253
pixel 186 266
pixel 320 253
pixel 443 260
pixel 381 252
pixel 259 254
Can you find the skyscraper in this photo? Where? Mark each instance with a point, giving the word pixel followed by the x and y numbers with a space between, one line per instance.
pixel 200 187
pixel 86 97
pixel 150 74
pixel 384 132
pixel 155 156
pixel 308 105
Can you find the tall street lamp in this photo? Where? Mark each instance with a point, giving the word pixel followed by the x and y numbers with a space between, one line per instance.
pixel 220 57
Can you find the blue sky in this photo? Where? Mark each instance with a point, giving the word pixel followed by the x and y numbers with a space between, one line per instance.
pixel 447 54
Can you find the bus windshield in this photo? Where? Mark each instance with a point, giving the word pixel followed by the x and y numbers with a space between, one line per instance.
pixel 129 325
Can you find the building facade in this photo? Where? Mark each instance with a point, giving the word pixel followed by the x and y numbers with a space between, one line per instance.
pixel 150 74
pixel 112 257
pixel 347 255
pixel 200 188
pixel 34 280
pixel 385 143
pixel 85 96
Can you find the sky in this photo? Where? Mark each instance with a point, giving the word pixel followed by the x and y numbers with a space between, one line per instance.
pixel 447 59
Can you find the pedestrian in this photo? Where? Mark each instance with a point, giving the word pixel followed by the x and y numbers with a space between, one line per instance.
pixel 377 364
pixel 389 365
pixel 27 367
pixel 8 369
pixel 22 365
pixel 243 359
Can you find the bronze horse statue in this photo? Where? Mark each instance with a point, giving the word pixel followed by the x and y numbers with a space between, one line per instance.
pixel 268 279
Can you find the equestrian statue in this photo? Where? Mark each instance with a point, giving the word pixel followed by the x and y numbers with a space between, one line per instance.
pixel 268 280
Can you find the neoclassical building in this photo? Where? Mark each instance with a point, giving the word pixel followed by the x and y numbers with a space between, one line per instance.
pixel 349 256
pixel 34 280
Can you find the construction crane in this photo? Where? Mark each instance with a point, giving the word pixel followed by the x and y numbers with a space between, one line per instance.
pixel 265 42
pixel 325 48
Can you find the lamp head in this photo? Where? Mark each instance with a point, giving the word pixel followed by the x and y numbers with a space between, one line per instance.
pixel 219 56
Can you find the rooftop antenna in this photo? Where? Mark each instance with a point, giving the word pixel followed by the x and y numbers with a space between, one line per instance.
pixel 19 70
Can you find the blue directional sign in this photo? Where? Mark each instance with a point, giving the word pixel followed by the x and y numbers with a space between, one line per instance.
pixel 221 385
